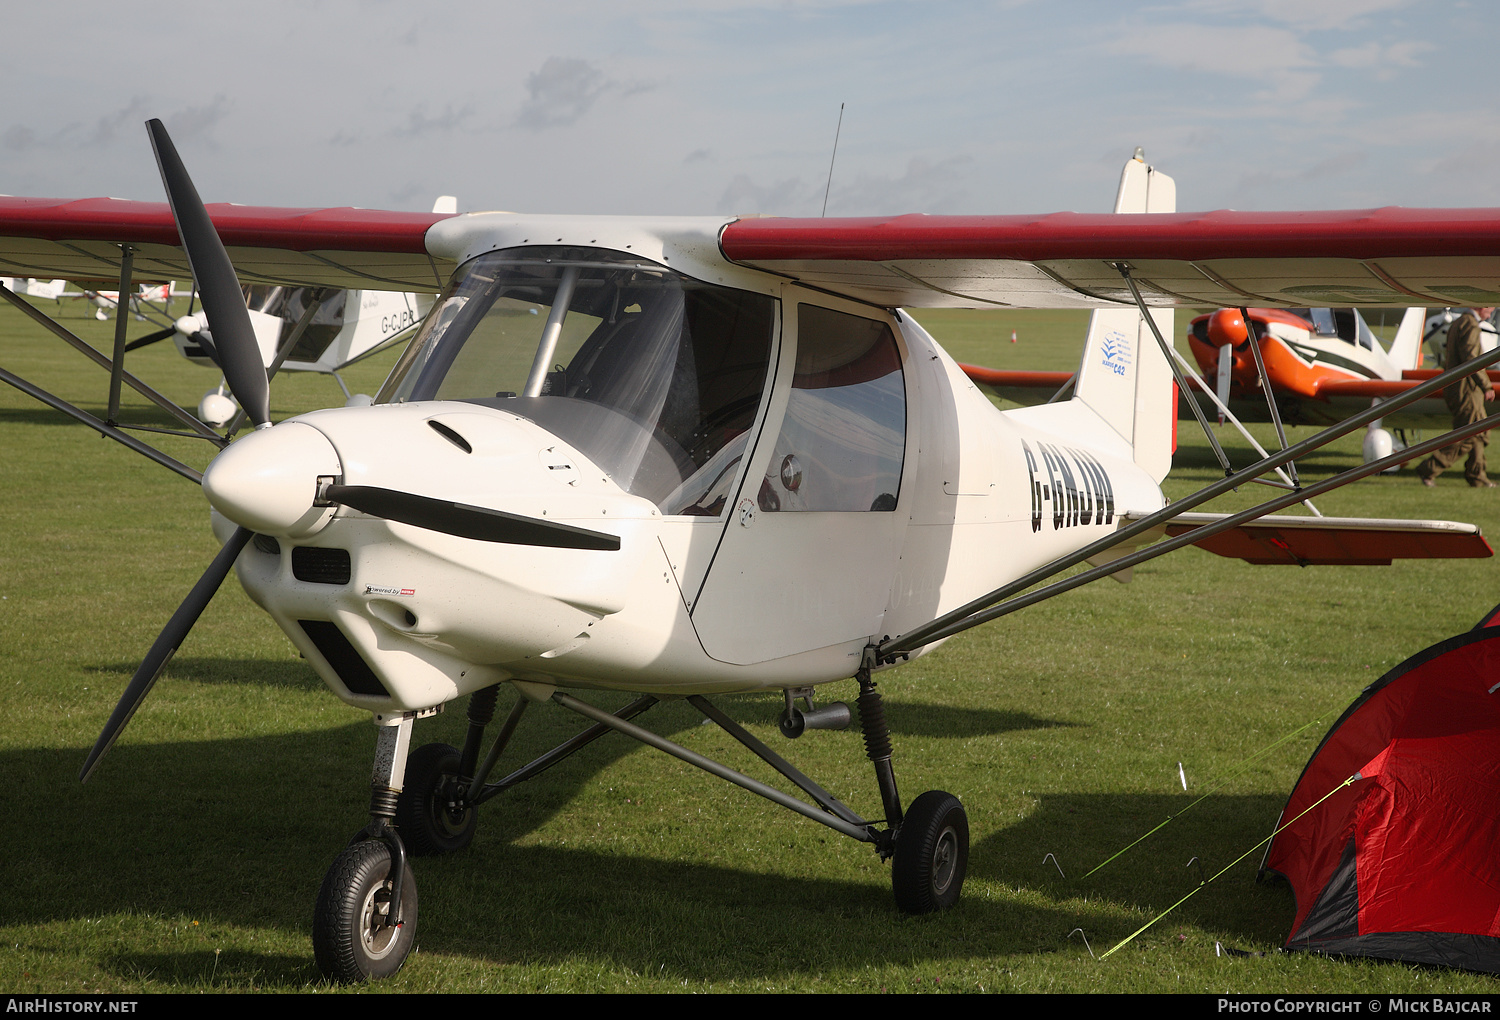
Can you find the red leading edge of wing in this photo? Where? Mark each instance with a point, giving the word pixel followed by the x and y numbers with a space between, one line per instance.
pixel 119 220
pixel 1223 234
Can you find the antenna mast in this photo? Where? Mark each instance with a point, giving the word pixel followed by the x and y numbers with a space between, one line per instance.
pixel 833 157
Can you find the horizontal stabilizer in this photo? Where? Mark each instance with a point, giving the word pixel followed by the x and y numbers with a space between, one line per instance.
pixel 1018 385
pixel 1337 541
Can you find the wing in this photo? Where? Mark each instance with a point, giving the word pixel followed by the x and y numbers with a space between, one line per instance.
pixel 1376 388
pixel 79 239
pixel 1065 260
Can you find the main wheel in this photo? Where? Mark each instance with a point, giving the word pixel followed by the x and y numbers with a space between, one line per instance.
pixel 352 939
pixel 428 814
pixel 932 854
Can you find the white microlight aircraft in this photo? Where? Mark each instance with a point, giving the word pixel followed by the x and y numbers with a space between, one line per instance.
pixel 307 329
pixel 687 457
pixel 303 329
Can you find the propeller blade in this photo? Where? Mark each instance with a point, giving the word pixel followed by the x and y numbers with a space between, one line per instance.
pixel 151 338
pixel 223 301
pixel 165 647
pixel 466 521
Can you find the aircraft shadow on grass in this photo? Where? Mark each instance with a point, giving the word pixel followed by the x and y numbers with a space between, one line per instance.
pixel 1083 831
pixel 238 832
pixel 131 414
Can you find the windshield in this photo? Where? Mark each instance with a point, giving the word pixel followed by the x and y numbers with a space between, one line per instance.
pixel 1344 323
pixel 655 377
pixel 290 303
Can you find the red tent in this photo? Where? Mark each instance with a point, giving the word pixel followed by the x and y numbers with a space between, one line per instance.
pixel 1404 861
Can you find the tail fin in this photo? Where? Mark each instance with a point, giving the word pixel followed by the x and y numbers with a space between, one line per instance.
pixel 1123 376
pixel 1406 346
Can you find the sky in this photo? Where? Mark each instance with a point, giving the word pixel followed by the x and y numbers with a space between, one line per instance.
pixel 732 106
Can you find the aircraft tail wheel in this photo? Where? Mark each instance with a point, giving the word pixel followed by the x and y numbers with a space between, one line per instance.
pixel 431 821
pixel 352 940
pixel 932 854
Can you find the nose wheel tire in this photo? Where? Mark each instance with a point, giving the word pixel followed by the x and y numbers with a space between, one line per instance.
pixel 429 816
pixel 353 940
pixel 932 854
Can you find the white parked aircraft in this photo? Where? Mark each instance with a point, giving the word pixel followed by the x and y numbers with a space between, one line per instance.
pixel 689 457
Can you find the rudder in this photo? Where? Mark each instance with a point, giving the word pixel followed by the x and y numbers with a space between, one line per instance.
pixel 1123 376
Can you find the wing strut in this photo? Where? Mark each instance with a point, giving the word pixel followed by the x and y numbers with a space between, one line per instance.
pixel 57 403
pixel 1286 481
pixel 974 613
pixel 199 429
pixel 1265 387
pixel 1124 270
pixel 908 643
pixel 122 319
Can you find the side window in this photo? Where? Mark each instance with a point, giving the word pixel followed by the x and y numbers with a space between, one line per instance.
pixel 844 436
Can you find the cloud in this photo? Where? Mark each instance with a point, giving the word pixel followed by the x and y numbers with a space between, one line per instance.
pixel 566 88
pixel 1383 58
pixel 744 197
pixel 1304 15
pixel 108 126
pixel 561 92
pixel 18 137
pixel 1277 58
pixel 696 156
pixel 925 186
pixel 197 121
pixel 419 124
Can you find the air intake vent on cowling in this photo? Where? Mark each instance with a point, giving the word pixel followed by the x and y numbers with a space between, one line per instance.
pixel 450 435
pixel 320 566
pixel 352 670
pixel 267 544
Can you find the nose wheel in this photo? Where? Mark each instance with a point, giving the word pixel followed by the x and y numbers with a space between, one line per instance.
pixel 355 936
pixel 932 854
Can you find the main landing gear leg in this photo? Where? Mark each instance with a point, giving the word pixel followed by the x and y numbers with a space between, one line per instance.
pixel 929 842
pixel 365 921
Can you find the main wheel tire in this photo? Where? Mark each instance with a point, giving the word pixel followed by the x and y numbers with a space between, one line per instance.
pixel 932 854
pixel 429 819
pixel 351 942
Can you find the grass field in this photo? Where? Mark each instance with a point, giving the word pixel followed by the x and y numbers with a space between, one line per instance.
pixel 191 860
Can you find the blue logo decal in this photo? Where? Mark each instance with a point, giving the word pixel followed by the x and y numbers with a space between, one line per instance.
pixel 1116 351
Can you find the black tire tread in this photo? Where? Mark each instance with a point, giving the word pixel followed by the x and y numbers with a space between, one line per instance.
pixel 911 869
pixel 340 900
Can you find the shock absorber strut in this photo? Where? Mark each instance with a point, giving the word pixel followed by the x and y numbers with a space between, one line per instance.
pixel 481 711
pixel 878 746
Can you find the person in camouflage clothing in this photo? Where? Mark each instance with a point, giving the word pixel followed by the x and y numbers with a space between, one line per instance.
pixel 1466 399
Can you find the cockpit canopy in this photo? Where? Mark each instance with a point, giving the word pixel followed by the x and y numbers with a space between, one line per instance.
pixel 653 376
pixel 1346 324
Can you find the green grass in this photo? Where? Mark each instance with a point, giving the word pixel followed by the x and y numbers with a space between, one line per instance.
pixel 191 860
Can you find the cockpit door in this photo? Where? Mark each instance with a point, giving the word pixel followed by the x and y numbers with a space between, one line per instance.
pixel 812 544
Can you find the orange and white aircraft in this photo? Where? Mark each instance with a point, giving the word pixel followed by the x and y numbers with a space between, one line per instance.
pixel 688 457
pixel 1320 364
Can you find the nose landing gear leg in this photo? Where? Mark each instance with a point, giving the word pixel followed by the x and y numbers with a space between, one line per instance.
pixel 365 921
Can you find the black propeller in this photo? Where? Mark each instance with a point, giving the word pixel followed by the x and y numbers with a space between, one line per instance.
pixel 150 338
pixel 466 521
pixel 238 355
pixel 165 647
pixel 223 301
